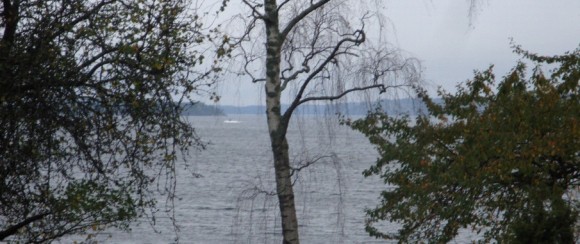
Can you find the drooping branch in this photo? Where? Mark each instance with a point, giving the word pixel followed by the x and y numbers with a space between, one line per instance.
pixel 306 164
pixel 247 52
pixel 248 61
pixel 381 87
pixel 314 52
pixel 359 38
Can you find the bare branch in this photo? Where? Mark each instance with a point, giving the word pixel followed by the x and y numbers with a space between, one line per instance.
pixel 255 13
pixel 282 4
pixel 295 75
pixel 359 38
pixel 248 61
pixel 314 51
pixel 301 16
pixel 382 88
pixel 306 165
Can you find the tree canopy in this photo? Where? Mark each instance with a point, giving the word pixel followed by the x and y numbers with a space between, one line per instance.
pixel 90 124
pixel 502 161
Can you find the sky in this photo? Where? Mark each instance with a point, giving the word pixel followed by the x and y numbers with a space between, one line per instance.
pixel 451 45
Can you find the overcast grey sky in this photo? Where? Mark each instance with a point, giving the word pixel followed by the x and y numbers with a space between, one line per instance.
pixel 439 34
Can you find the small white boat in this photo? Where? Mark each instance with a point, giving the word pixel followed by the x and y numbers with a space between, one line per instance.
pixel 230 121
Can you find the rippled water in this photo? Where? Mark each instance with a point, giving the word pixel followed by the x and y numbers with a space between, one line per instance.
pixel 230 204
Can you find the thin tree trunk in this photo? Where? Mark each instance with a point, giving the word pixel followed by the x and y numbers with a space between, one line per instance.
pixel 12 230
pixel 277 125
pixel 285 192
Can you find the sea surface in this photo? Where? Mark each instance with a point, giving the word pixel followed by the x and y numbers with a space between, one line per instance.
pixel 224 195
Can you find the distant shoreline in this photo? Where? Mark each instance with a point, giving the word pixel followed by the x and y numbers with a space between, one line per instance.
pixel 410 106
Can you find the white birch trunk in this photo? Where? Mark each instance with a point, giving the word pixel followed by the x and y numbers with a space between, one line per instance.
pixel 277 125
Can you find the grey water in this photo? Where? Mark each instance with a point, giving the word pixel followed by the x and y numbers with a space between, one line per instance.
pixel 225 194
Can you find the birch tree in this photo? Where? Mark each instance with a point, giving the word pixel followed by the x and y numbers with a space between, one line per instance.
pixel 307 51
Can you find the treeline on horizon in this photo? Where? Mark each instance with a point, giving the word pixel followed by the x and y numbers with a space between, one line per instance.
pixel 409 106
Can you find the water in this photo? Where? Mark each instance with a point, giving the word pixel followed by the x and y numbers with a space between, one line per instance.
pixel 231 201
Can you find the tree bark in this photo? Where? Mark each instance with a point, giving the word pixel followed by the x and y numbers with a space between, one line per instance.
pixel 278 124
pixel 285 191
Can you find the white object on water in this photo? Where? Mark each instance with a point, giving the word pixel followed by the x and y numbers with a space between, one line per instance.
pixel 229 121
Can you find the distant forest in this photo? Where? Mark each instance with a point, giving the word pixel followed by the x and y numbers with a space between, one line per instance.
pixel 410 106
pixel 202 109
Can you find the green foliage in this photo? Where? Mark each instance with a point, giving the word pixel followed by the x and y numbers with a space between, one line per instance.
pixel 502 161
pixel 90 110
